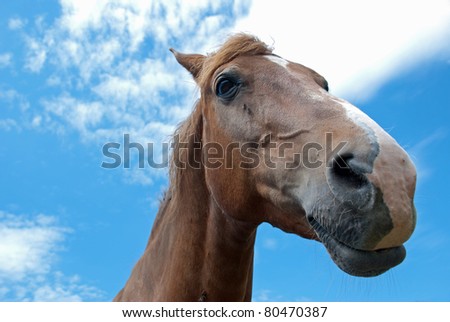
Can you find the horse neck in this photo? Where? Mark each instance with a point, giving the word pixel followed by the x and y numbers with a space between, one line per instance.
pixel 196 251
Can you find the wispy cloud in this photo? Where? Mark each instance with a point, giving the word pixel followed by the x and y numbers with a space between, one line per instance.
pixel 65 289
pixel 13 100
pixel 110 70
pixel 29 247
pixel 427 141
pixel 14 106
pixel 16 23
pixel 9 124
pixel 36 55
pixel 419 151
pixel 267 296
pixel 270 244
pixel 121 76
pixel 5 60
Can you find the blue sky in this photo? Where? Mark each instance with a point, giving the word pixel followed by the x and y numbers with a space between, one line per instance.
pixel 75 75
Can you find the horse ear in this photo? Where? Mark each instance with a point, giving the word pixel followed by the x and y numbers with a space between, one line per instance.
pixel 192 62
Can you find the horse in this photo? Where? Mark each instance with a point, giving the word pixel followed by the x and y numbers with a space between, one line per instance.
pixel 267 142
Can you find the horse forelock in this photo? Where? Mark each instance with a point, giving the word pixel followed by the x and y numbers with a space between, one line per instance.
pixel 235 46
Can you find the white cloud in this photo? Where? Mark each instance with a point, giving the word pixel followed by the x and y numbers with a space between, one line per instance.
pixel 29 247
pixel 12 102
pixel 110 62
pixel 8 124
pixel 356 45
pixel 270 244
pixel 266 296
pixel 80 115
pixel 5 60
pixel 36 121
pixel 113 79
pixel 36 56
pixel 13 99
pixel 63 289
pixel 420 151
pixel 16 23
pixel 139 176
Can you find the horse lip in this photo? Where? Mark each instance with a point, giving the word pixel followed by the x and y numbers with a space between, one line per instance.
pixel 358 262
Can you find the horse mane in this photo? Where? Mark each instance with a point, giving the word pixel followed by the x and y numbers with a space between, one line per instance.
pixel 187 137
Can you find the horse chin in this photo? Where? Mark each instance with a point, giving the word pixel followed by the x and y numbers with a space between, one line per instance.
pixel 357 262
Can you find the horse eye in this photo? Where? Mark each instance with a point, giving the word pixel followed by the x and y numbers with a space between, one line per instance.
pixel 227 88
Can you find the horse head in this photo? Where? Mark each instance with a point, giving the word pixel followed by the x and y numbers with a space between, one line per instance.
pixel 299 158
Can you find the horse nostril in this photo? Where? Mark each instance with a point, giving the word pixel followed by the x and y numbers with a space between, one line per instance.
pixel 346 176
pixel 348 172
